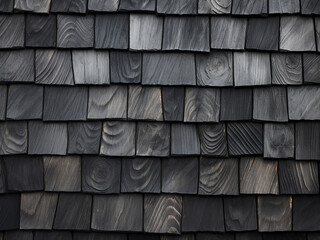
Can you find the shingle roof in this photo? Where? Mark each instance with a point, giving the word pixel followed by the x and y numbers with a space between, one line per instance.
pixel 159 119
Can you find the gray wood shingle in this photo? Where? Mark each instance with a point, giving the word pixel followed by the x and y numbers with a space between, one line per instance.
pixel 13 137
pixel 214 6
pixel 12 29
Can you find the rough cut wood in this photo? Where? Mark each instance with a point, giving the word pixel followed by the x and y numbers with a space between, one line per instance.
pixel 173 103
pixel 13 137
pixel 118 138
pixel 54 67
pixel 145 32
pixel 248 7
pixel 286 68
pixel 258 176
pixel 214 6
pixel 177 6
pixel 193 33
pixel 91 67
pixel 38 6
pixel 298 177
pixel 38 210
pixel 153 139
pixel 162 213
pixel 108 102
pixel 62 174
pixel 103 5
pixel 284 6
pixel 180 175
pixel 197 218
pixel 278 140
pixel 145 103
pixel 202 104
pixel 69 6
pixel 240 213
pixel 297 34
pixel 274 213
pixel 141 175
pixel 3 101
pixel 228 32
pixel 100 175
pixel 311 65
pixel 141 5
pixel 310 7
pixel 12 29
pixel 218 176
pixel 184 139
pixel 126 208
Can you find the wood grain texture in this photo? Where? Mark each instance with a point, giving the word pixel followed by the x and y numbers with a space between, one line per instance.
pixel 310 7
pixel 228 32
pixel 12 29
pixel 24 173
pixel 317 30
pixel 101 175
pixel 25 102
pixel 21 235
pixel 216 236
pixel 118 138
pixel 141 175
pixel 249 7
pixel 41 30
pixel 307 137
pixel 284 6
pixel 145 103
pixel 218 176
pixel 213 139
pixel 122 212
pixel 304 103
pixel 184 139
pixel 145 32
pixel 202 104
pixel 252 68
pixel 65 103
pixel 38 6
pixel 305 213
pixel 47 138
pixel 274 213
pixel 214 6
pixel 177 6
pixel 180 175
pixel 265 100
pixel 244 138
pixel 278 140
pixel 263 33
pixel 84 137
pixel 162 213
pixel 236 104
pixel 153 139
pixel 17 66
pixel 54 67
pixel 99 236
pixel 62 174
pixel 68 215
pixel 168 69
pixel 108 102
pixel 286 68
pixel 3 101
pixel 38 210
pixel 9 211
pixel 258 176
pixel 173 103
pixel 6 5
pixel 193 33
pixel 75 31
pixel 53 235
pixel 112 31
pixel 214 69
pixel 91 67
pixel 240 213
pixel 103 5
pixel 3 177
pixel 297 34
pixel 69 6
pixel 13 137
pixel 125 67
pixel 311 65
pixel 137 5
pixel 197 218
pixel 298 177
